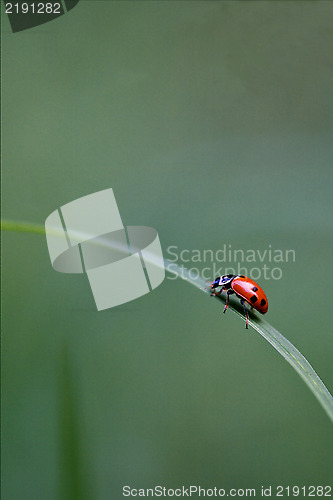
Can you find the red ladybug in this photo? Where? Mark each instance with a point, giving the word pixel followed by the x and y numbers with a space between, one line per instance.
pixel 246 290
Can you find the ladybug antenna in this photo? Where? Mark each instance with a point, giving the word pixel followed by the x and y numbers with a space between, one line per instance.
pixel 209 285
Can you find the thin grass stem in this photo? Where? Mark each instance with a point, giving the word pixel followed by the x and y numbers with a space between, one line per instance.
pixel 273 336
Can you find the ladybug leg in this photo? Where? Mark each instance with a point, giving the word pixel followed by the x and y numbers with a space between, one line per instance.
pixel 229 292
pixel 246 314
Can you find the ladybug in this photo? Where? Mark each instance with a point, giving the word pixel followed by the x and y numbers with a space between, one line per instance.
pixel 245 289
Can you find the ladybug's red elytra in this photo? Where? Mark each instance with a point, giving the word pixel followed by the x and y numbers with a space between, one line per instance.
pixel 245 289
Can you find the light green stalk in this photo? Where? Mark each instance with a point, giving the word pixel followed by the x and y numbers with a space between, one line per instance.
pixel 275 338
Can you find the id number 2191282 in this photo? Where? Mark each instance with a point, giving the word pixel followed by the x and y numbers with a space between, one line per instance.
pixel 33 8
pixel 305 491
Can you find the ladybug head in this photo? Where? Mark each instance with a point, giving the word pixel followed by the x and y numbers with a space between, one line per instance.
pixel 215 282
pixel 222 280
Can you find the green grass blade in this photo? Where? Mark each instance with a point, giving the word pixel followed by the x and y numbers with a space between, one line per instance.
pixel 273 336
pixel 22 227
pixel 292 355
pixel 73 467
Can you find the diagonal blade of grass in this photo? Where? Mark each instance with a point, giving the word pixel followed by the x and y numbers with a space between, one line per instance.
pixel 273 336
pixel 277 340
pixel 293 356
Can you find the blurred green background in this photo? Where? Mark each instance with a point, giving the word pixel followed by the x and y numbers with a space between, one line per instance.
pixel 212 122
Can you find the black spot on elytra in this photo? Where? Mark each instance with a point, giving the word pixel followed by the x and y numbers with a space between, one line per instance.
pixel 241 276
pixel 263 302
pixel 254 288
pixel 253 299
